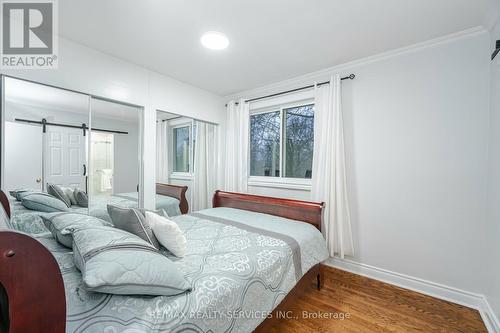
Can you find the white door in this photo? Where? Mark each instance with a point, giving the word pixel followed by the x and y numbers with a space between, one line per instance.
pixel 23 156
pixel 64 155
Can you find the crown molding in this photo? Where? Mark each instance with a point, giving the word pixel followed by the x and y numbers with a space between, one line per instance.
pixel 324 74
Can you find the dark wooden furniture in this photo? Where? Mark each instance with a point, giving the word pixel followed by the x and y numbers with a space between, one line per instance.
pixel 174 191
pixel 4 200
pixel 305 211
pixel 32 295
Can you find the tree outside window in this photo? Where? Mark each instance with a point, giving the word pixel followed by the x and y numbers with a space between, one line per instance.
pixel 288 132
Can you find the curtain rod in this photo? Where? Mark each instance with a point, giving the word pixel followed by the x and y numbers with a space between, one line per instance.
pixel 84 127
pixel 173 118
pixel 349 77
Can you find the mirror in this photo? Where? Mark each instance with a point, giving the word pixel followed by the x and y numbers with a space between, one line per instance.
pixel 58 143
pixel 186 159
pixel 43 139
pixel 114 163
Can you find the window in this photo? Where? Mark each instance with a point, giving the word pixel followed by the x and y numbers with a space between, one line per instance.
pixel 282 142
pixel 265 130
pixel 299 141
pixel 181 149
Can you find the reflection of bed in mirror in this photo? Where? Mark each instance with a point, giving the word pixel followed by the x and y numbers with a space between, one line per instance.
pixel 164 191
pixel 170 198
pixel 187 155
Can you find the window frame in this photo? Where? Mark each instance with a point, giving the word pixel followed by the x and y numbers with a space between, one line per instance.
pixel 281 181
pixel 179 174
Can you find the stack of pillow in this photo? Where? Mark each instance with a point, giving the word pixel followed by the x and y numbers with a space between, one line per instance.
pixel 124 258
pixel 153 227
pixel 68 195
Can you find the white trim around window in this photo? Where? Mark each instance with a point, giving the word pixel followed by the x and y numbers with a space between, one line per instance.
pixel 286 102
pixel 181 176
pixel 278 182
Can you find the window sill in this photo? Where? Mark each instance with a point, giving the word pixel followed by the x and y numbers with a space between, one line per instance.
pixel 285 183
pixel 181 176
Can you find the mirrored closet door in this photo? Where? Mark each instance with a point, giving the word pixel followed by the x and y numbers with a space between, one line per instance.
pixel 44 141
pixel 114 167
pixel 68 151
pixel 186 162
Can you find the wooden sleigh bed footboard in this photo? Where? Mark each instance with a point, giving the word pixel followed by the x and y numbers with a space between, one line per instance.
pixel 32 297
pixel 174 191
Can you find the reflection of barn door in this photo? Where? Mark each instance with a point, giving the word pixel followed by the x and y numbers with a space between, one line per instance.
pixel 64 155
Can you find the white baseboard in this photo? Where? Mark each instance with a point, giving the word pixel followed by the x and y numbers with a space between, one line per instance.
pixel 462 297
pixel 490 320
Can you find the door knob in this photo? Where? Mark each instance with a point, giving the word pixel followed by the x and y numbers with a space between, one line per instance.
pixel 39 180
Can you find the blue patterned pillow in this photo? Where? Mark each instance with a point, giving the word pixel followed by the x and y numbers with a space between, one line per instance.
pixel 43 202
pixel 114 261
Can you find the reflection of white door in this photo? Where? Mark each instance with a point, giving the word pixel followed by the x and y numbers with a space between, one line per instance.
pixel 23 156
pixel 64 155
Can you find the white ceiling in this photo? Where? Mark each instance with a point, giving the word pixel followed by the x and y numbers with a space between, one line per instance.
pixel 269 40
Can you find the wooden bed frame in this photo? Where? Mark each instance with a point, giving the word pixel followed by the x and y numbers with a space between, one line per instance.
pixel 32 297
pixel 305 211
pixel 175 191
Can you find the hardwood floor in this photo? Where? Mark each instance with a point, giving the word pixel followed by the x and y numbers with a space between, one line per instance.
pixel 357 304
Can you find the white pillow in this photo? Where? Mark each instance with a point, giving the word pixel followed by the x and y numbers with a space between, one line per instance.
pixel 168 233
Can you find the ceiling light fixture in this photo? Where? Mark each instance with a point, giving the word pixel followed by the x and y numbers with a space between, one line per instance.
pixel 214 40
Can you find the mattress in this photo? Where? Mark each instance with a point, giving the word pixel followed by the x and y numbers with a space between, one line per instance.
pixel 240 265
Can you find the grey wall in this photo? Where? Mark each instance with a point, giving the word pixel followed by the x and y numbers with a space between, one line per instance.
pixel 493 254
pixel 416 127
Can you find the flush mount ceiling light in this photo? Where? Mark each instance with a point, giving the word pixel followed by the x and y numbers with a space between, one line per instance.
pixel 214 40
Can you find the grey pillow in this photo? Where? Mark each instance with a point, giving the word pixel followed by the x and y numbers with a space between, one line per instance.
pixel 43 202
pixel 15 192
pixel 81 198
pixel 116 262
pixel 133 221
pixel 21 195
pixel 60 225
pixel 18 193
pixel 59 193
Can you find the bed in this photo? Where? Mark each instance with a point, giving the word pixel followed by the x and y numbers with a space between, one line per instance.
pixel 240 264
pixel 171 198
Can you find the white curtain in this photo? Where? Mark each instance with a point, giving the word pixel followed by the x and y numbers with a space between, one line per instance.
pixel 237 136
pixel 329 172
pixel 162 152
pixel 205 165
